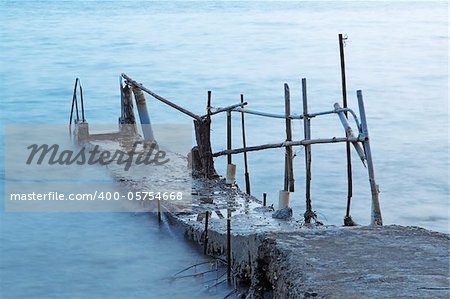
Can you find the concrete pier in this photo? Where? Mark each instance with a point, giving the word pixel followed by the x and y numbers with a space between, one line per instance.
pixel 286 259
pixel 277 258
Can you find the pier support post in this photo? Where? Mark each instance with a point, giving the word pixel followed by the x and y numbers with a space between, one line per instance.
pixel 205 241
pixel 127 120
pixel 348 221
pixel 202 153
pixel 288 164
pixel 376 218
pixel 309 214
pixel 159 212
pixel 229 245
pixel 141 105
pixel 229 158
pixel 244 145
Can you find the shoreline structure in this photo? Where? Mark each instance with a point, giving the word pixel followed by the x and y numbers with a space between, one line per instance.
pixel 271 254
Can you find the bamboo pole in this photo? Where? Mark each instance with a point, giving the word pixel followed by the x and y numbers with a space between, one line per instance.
pixel 225 109
pixel 244 144
pixel 229 159
pixel 348 219
pixel 284 144
pixel 376 211
pixel 288 163
pixel 309 214
pixel 349 132
pixel 160 98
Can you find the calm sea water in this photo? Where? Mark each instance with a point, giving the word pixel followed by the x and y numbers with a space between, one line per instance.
pixel 397 53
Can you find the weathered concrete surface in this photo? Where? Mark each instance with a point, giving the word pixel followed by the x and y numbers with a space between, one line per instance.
pixel 284 259
pixel 359 262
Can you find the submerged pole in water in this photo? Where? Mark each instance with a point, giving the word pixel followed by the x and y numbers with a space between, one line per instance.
pixel 159 211
pixel 141 105
pixel 244 145
pixel 229 244
pixel 376 211
pixel 205 241
pixel 348 221
pixel 309 214
pixel 288 165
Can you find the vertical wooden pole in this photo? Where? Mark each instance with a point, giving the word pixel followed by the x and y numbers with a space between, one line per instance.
pixel 244 144
pixel 76 100
pixel 208 107
pixel 288 165
pixel 229 136
pixel 264 199
pixel 82 103
pixel 159 211
pixel 348 219
pixel 229 244
pixel 205 242
pixel 309 214
pixel 203 138
pixel 376 211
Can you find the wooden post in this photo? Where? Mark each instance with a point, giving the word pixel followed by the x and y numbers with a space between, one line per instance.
pixel 141 104
pixel 205 242
pixel 264 199
pixel 376 211
pixel 244 144
pixel 159 211
pixel 82 103
pixel 208 107
pixel 288 165
pixel 127 120
pixel 202 129
pixel 229 135
pixel 309 214
pixel 348 219
pixel 229 244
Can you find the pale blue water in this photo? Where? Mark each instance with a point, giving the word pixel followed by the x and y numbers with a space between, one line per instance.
pixel 397 54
